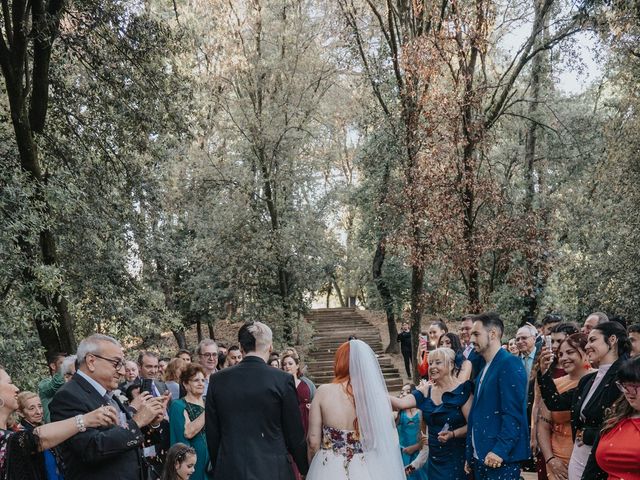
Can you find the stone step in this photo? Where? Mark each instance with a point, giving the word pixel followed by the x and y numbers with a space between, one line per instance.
pixel 331 328
pixel 329 363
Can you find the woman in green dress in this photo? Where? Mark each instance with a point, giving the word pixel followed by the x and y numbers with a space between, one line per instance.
pixel 186 418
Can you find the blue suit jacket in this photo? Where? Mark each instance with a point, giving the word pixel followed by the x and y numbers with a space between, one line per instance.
pixel 498 415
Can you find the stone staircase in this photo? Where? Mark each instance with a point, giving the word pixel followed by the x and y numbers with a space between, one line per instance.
pixel 332 327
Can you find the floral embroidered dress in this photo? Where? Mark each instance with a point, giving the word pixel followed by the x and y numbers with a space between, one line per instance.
pixel 340 457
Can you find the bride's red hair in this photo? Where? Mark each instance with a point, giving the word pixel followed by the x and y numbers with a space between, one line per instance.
pixel 341 374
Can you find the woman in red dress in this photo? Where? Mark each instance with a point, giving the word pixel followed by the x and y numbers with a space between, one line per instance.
pixel 618 446
pixel 291 364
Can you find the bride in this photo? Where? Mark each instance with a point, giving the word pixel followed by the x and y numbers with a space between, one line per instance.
pixel 352 434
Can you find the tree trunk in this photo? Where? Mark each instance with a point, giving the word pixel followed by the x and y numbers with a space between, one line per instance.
pixel 385 295
pixel 212 333
pixel 55 327
pixel 417 282
pixel 199 329
pixel 338 291
pixel 329 294
pixel 534 260
pixel 181 339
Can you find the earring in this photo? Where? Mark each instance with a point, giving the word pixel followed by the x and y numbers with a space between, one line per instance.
pixel 587 365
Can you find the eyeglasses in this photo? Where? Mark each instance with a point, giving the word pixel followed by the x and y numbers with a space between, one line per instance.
pixel 117 363
pixel 209 355
pixel 518 339
pixel 628 388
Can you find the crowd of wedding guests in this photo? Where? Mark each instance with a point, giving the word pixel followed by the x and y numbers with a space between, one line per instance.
pixel 559 399
pixel 64 430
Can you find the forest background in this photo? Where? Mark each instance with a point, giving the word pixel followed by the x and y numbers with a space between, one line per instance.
pixel 165 164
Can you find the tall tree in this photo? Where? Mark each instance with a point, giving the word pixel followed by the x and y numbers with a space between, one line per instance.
pixel 28 31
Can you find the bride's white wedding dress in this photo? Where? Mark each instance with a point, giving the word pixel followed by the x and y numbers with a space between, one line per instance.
pixel 373 453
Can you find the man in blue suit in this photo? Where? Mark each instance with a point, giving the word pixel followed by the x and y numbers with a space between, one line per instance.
pixel 498 432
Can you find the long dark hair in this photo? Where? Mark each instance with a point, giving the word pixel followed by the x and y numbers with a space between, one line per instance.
pixel 614 328
pixel 456 344
pixel 621 409
pixel 176 454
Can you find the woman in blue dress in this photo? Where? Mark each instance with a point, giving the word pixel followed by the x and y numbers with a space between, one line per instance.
pixel 186 418
pixel 409 423
pixel 445 403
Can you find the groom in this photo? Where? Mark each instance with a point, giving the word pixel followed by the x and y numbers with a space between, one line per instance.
pixel 497 428
pixel 252 417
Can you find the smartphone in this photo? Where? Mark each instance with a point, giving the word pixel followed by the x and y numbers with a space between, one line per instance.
pixel 547 340
pixel 147 386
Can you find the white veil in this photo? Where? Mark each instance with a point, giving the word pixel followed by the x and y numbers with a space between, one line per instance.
pixel 378 432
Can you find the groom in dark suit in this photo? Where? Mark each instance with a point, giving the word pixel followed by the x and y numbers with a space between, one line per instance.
pixel 252 416
pixel 102 453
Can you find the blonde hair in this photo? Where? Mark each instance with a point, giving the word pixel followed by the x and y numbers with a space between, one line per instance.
pixel 173 370
pixel 23 398
pixel 446 354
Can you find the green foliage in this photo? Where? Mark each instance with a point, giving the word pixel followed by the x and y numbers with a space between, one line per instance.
pixel 206 161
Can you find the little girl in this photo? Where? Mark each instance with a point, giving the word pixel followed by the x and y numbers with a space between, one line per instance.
pixel 180 462
pixel 409 432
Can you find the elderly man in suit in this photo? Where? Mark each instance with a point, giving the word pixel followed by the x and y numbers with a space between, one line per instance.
pixel 103 453
pixel 252 419
pixel 498 431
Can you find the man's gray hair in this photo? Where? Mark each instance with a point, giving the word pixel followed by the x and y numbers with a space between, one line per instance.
pixel 67 363
pixel 205 343
pixel 533 331
pixel 602 317
pixel 91 344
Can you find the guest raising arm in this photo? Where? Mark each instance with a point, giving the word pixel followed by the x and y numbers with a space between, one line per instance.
pixel 554 428
pixel 96 453
pixel 19 451
pixel 607 346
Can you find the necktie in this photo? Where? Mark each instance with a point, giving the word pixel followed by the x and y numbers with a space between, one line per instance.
pixel 122 417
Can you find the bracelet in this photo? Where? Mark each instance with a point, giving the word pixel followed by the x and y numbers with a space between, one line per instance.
pixel 454 433
pixel 549 459
pixel 80 423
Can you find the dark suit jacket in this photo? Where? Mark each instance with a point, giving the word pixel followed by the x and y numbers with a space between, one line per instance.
pixel 594 411
pixel 253 421
pixel 99 453
pixel 498 417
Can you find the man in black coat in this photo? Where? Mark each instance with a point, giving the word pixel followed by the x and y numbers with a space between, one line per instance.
pixel 404 339
pixel 252 417
pixel 102 453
